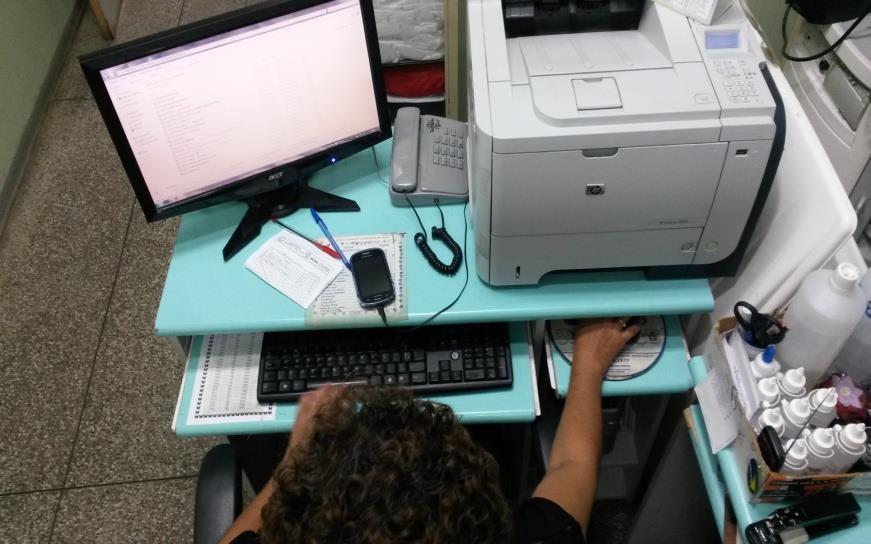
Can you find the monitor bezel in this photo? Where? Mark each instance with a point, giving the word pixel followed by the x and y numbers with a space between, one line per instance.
pixel 93 63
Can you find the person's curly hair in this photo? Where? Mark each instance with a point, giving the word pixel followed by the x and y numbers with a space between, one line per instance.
pixel 382 466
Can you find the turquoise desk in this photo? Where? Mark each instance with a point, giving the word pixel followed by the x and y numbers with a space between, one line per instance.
pixel 204 295
pixel 723 476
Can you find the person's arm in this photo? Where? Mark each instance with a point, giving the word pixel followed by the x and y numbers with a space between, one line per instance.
pixel 573 467
pixel 251 517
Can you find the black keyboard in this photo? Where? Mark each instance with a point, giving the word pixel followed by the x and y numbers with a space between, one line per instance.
pixel 433 359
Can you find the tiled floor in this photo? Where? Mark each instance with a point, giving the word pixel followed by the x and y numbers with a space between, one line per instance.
pixel 87 391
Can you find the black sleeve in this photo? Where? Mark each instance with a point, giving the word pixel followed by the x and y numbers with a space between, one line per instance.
pixel 247 538
pixel 544 521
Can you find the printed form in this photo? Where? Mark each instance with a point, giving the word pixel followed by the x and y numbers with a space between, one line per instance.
pixel 295 267
pixel 339 304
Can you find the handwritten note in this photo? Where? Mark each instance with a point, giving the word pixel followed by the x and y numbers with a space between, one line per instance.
pixel 338 304
pixel 295 267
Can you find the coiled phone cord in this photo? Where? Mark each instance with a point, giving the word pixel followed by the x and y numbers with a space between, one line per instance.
pixel 441 234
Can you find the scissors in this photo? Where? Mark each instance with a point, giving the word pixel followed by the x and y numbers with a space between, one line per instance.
pixel 758 329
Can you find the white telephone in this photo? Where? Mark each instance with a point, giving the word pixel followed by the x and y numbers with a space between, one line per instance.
pixel 429 160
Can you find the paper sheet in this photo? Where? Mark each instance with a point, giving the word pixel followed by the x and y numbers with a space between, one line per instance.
pixel 338 303
pixel 225 386
pixel 295 267
pixel 718 399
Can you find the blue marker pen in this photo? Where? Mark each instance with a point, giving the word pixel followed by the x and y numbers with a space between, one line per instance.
pixel 329 236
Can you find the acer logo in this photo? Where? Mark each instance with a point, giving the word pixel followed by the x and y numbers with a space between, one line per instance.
pixel 275 176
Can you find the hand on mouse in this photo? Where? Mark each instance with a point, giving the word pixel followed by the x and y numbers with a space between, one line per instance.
pixel 598 341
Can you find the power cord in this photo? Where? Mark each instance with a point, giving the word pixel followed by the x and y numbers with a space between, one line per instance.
pixel 825 51
pixel 377 167
pixel 383 315
pixel 441 234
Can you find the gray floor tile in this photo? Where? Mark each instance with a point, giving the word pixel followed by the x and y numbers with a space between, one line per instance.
pixel 160 511
pixel 139 18
pixel 27 518
pixel 125 432
pixel 58 257
pixel 71 82
pixel 200 9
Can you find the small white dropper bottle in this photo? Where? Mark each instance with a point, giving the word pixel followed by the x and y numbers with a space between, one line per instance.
pixel 769 392
pixel 770 417
pixel 819 449
pixel 824 402
pixel 791 383
pixel 765 365
pixel 849 446
pixel 796 457
pixel 795 414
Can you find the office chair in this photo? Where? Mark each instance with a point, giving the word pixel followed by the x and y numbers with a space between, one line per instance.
pixel 219 494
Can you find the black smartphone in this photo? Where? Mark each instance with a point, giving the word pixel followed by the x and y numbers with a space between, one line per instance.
pixel 372 278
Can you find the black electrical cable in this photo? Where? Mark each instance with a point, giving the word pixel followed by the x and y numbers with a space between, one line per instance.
pixel 825 51
pixel 383 315
pixel 465 282
pixel 441 234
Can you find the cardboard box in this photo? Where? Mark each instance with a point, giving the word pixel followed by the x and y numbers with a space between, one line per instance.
pixel 764 484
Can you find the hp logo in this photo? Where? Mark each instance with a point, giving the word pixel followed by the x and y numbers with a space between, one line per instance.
pixel 595 189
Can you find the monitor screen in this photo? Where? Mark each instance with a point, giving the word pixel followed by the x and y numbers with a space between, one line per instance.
pixel 204 114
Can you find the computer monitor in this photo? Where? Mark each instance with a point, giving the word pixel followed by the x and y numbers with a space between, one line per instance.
pixel 244 106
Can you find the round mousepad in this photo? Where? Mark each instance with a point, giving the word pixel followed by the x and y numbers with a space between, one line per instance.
pixel 637 356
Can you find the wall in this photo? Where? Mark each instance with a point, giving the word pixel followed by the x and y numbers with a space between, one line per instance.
pixel 33 40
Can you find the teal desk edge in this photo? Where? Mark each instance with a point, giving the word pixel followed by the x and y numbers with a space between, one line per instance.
pixel 670 374
pixel 204 295
pixel 734 479
pixel 516 404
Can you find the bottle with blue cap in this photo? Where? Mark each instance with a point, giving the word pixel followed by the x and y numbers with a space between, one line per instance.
pixel 765 365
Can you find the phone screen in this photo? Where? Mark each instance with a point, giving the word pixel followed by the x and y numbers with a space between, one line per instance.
pixel 371 274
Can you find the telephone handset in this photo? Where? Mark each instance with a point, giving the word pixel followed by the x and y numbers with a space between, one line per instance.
pixel 429 160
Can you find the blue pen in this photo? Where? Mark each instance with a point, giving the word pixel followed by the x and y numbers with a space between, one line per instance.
pixel 329 236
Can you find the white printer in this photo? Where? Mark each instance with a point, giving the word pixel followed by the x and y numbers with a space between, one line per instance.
pixel 652 147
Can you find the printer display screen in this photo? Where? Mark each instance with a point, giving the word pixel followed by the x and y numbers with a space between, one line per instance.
pixel 721 39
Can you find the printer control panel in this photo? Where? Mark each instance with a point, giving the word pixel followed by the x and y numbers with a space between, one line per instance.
pixel 738 78
pixel 733 65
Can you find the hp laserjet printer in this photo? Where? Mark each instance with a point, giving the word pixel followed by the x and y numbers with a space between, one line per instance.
pixel 652 147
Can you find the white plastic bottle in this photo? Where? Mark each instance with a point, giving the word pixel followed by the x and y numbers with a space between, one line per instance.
pixel 769 392
pixel 795 414
pixel 765 365
pixel 855 358
pixel 796 457
pixel 770 417
pixel 823 314
pixel 848 448
pixel 820 443
pixel 823 401
pixel 792 383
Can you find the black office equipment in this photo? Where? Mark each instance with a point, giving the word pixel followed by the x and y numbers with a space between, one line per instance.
pixel 244 106
pixel 435 359
pixel 797 523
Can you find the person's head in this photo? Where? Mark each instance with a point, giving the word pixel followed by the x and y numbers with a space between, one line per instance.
pixel 376 465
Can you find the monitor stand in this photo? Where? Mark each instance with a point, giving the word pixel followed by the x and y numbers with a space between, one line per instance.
pixel 279 203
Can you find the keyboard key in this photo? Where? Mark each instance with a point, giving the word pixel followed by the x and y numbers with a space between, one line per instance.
pixel 374 380
pixel 490 362
pixel 271 365
pixel 434 377
pixel 501 373
pixel 389 379
pixel 298 385
pixel 390 368
pixel 474 375
pixel 444 365
pixel 418 355
pixel 402 379
pixel 285 387
pixel 281 375
pixel 468 364
pixel 401 367
pixel 417 367
pixel 395 357
pixel 407 356
pixel 445 375
pixel 491 373
pixel 270 387
pixel 457 376
pixel 270 376
pixel 418 378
